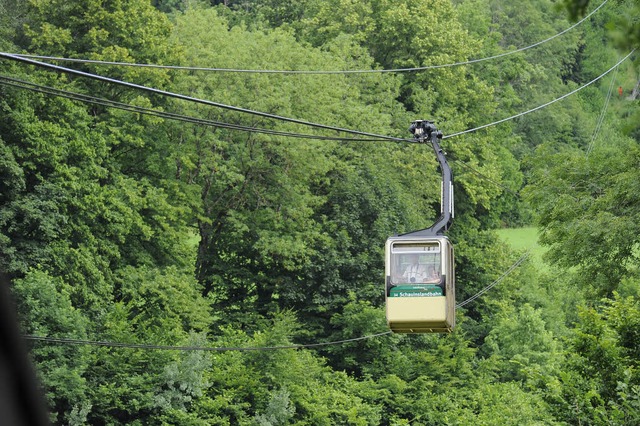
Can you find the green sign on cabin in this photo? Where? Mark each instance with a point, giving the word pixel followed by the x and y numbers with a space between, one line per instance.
pixel 413 290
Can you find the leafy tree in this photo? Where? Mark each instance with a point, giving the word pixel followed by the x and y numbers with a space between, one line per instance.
pixel 76 190
pixel 589 224
pixel 100 211
pixel 78 205
pixel 251 387
pixel 598 383
pixel 267 201
pixel 627 32
pixel 72 215
pixel 46 310
pixel 11 17
pixel 278 412
pixel 155 307
pixel 521 342
pixel 130 31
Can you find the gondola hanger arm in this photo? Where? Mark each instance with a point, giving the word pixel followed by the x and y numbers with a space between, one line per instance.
pixel 425 131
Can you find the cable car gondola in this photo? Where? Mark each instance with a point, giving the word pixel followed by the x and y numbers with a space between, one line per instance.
pixel 420 277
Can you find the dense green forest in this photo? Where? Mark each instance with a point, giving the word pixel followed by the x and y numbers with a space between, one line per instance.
pixel 228 209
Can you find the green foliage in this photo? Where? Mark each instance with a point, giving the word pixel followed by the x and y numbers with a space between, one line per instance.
pixel 157 308
pixel 270 386
pixel 624 30
pixel 422 402
pixel 184 379
pixel 598 383
pixel 116 31
pixel 156 301
pixel 46 310
pixel 271 207
pixel 278 412
pixel 521 342
pixel 371 357
pixel 587 209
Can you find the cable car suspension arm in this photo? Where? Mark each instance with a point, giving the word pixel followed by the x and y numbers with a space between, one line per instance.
pixel 424 131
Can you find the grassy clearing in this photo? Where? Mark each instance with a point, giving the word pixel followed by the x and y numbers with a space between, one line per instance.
pixel 525 239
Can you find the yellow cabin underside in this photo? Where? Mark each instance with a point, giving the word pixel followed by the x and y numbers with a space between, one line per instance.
pixel 418 314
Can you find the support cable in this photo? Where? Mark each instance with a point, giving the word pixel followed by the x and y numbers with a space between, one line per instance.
pixel 293 120
pixel 497 281
pixel 602 113
pixel 190 98
pixel 23 84
pixel 387 138
pixel 543 105
pixel 69 341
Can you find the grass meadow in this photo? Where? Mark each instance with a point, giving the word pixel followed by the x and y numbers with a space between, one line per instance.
pixel 525 239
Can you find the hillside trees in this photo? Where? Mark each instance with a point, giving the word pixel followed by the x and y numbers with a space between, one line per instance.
pixel 593 228
pixel 585 230
pixel 261 196
pixel 131 228
pixel 626 31
pixel 585 194
pixel 60 144
pixel 85 213
pixel 535 76
pixel 598 382
pixel 75 230
pixel 312 261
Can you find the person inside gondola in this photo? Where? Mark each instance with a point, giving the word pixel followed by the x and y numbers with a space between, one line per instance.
pixel 415 272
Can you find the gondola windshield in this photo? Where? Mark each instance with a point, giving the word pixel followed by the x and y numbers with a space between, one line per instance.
pixel 416 270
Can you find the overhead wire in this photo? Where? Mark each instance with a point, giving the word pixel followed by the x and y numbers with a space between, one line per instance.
pixel 452 135
pixel 293 120
pixel 23 84
pixel 602 113
pixel 258 71
pixel 497 281
pixel 109 103
pixel 262 114
pixel 71 341
pixel 376 137
pixel 196 120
